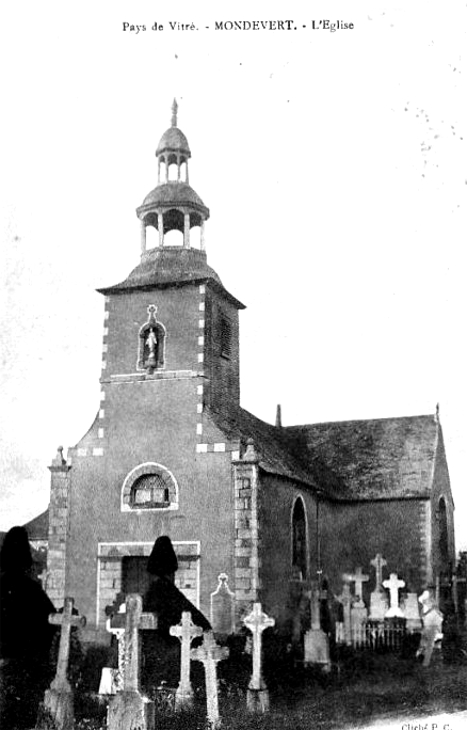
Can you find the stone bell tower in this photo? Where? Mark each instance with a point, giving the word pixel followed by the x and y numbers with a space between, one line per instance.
pixel 170 356
pixel 190 325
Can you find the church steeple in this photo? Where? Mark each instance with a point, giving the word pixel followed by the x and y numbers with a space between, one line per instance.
pixel 173 204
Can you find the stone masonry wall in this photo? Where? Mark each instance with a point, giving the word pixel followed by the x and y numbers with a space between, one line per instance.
pixel 58 528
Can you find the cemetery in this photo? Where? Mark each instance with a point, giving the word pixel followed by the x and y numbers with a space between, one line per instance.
pixel 398 656
pixel 301 576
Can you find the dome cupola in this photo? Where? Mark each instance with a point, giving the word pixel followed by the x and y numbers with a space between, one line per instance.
pixel 173 204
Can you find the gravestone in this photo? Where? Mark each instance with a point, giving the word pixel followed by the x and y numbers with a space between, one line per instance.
pixel 58 700
pixel 185 631
pixel 223 607
pixel 358 610
pixel 346 600
pixel 393 585
pixel 127 709
pixel 432 626
pixel 209 653
pixel 112 679
pixel 316 649
pixel 378 600
pixel 412 612
pixel 257 695
pixel 359 579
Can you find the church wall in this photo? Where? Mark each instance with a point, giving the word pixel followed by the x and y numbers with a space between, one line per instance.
pixel 441 488
pixel 221 357
pixel 151 421
pixel 352 534
pixel 178 309
pixel 280 590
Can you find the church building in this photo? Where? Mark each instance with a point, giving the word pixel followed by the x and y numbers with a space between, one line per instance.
pixel 255 511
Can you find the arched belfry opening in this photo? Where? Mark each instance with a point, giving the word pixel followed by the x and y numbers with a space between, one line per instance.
pixel 173 208
pixel 299 540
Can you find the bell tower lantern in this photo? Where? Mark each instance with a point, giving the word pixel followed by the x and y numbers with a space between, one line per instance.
pixel 173 204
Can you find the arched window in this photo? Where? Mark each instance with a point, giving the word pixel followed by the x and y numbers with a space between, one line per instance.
pixel 149 486
pixel 443 533
pixel 299 539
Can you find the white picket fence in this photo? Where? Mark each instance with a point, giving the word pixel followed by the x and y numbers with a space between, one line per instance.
pixel 372 636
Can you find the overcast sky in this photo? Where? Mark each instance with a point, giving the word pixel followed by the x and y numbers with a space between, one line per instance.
pixel 334 167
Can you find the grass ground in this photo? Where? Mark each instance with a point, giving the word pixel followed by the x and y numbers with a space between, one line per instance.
pixel 363 689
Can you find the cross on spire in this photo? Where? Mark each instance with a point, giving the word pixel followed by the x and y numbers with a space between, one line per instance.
pixel 152 311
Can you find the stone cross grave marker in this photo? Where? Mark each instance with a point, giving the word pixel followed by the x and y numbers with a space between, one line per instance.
pixel 127 708
pixel 316 644
pixel 257 622
pixel 346 599
pixel 378 563
pixel 359 578
pixel 209 653
pixel 58 700
pixel 112 679
pixel 186 630
pixel 378 600
pixel 393 585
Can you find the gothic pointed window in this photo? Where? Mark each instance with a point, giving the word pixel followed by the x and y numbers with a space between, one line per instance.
pixel 151 343
pixel 299 541
pixel 443 534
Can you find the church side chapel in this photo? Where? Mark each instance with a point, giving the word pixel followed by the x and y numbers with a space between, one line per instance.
pixel 359 513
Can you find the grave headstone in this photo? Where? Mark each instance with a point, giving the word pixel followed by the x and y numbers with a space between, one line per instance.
pixel 393 584
pixel 186 631
pixel 432 619
pixel 210 653
pixel 378 600
pixel 257 695
pixel 128 709
pixel 411 612
pixel 455 593
pixel 316 646
pixel 346 600
pixel 223 607
pixel 112 679
pixel 58 700
pixel 359 578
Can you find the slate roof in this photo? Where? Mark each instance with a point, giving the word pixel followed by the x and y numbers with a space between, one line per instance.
pixel 274 446
pixel 374 459
pixel 171 266
pixel 173 194
pixel 38 528
pixel 387 458
pixel 173 139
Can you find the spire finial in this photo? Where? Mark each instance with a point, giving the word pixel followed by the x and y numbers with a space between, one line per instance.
pixel 174 113
pixel 279 416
